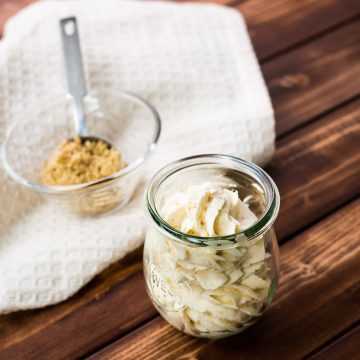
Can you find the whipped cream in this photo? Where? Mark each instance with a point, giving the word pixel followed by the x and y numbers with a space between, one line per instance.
pixel 207 210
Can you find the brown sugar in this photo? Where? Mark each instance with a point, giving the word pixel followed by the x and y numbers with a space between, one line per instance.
pixel 75 162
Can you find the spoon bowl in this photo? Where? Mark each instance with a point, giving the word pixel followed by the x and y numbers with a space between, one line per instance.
pixel 83 139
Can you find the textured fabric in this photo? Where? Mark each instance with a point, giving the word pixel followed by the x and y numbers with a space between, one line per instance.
pixel 195 63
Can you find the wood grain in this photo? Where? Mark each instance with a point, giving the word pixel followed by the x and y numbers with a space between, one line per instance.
pixel 318 297
pixel 322 153
pixel 317 77
pixel 278 25
pixel 347 347
pixel 317 169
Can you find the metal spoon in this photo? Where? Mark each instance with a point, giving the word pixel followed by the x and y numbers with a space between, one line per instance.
pixel 75 76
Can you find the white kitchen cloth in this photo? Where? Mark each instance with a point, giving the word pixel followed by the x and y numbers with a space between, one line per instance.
pixel 194 62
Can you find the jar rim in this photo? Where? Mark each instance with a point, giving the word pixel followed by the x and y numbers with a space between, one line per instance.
pixel 233 163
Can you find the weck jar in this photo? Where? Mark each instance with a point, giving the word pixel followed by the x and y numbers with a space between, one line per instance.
pixel 201 281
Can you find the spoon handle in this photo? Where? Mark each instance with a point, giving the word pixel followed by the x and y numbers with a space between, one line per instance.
pixel 74 70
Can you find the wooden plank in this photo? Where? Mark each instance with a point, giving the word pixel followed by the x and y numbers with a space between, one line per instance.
pixel 278 25
pixel 347 347
pixel 312 79
pixel 318 298
pixel 99 316
pixel 317 169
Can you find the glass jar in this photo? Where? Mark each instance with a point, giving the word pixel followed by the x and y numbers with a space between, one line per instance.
pixel 212 287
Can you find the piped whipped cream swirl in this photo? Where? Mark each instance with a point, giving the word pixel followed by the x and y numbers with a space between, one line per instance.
pixel 207 210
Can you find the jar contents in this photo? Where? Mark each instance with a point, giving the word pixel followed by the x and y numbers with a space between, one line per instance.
pixel 75 162
pixel 205 291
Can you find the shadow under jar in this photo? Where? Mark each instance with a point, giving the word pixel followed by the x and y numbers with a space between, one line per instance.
pixel 212 287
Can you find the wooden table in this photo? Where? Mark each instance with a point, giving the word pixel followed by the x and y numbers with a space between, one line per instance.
pixel 309 52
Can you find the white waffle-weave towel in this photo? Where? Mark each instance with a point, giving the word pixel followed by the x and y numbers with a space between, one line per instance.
pixel 194 62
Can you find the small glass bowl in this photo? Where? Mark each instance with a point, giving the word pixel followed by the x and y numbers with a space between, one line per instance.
pixel 124 119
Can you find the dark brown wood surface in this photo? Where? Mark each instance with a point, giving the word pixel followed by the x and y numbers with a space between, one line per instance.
pixel 347 347
pixel 309 269
pixel 309 52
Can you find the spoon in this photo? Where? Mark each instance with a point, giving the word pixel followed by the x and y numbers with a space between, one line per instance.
pixel 75 76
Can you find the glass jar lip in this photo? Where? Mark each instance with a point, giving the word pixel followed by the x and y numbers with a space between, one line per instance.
pixel 48 189
pixel 259 227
